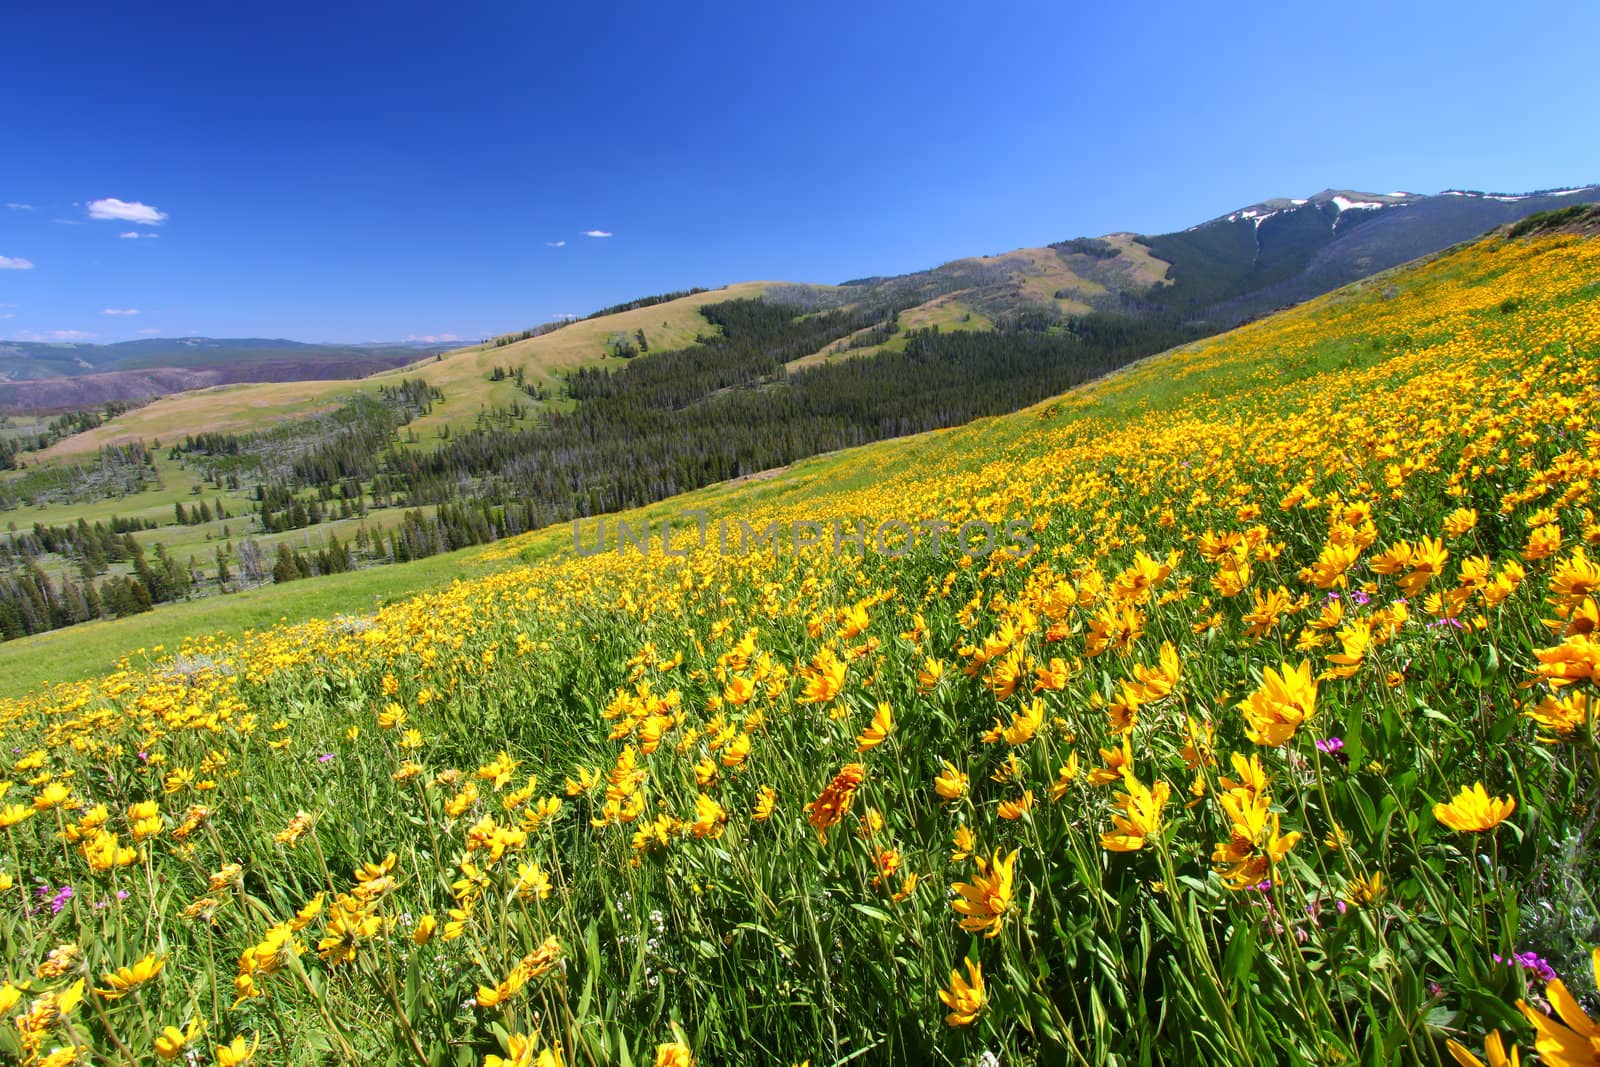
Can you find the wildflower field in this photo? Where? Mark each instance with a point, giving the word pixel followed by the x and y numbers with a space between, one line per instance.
pixel 1279 747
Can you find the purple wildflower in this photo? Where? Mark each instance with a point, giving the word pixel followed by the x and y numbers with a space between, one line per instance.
pixel 1531 962
pixel 1334 746
pixel 325 757
pixel 59 901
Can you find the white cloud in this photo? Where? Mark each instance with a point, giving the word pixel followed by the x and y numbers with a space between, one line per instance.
pixel 431 338
pixel 555 244
pixel 149 332
pixel 126 211
pixel 55 335
pixel 597 233
pixel 8 314
pixel 134 235
pixel 20 207
pixel 15 263
pixel 121 311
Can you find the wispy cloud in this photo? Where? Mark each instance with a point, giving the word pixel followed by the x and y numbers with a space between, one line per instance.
pixel 430 338
pixel 597 233
pixel 20 207
pixel 121 311
pixel 8 314
pixel 134 235
pixel 55 335
pixel 15 263
pixel 555 244
pixel 149 331
pixel 126 211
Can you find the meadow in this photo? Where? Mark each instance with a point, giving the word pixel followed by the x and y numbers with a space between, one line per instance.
pixel 1278 747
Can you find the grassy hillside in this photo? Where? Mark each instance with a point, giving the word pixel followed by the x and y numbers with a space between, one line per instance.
pixel 464 375
pixel 1184 783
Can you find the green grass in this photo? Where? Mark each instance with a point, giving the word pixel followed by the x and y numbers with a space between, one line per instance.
pixel 91 649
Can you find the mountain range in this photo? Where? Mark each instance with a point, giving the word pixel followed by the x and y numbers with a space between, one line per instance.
pixel 1210 276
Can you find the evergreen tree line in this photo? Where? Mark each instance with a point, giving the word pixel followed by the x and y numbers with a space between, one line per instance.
pixel 31 601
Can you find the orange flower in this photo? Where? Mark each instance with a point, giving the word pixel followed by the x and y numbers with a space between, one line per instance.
pixel 836 798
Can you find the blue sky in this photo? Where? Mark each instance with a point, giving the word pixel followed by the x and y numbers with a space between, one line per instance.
pixel 362 172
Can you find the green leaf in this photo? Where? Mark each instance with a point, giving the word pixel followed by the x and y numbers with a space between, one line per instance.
pixel 873 913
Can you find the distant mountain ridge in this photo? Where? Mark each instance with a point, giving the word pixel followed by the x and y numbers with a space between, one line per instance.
pixel 39 376
pixel 23 360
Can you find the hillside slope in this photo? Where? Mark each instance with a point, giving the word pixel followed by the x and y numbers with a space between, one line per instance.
pixel 464 375
pixel 1205 776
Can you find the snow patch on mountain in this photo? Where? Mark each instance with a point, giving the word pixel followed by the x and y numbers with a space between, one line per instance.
pixel 1253 214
